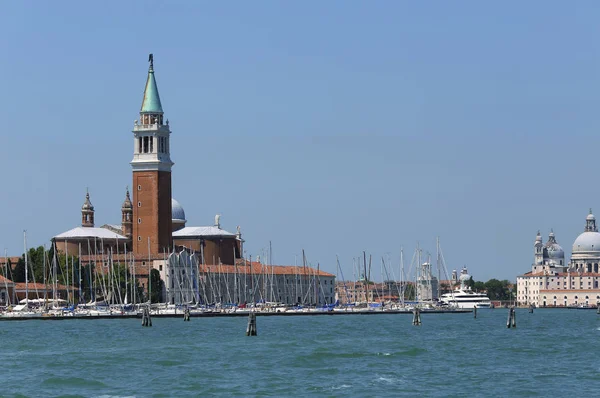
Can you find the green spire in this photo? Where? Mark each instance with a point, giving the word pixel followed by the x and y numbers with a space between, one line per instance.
pixel 151 102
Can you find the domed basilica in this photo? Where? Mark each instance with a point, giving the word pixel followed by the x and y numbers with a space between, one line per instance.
pixel 553 282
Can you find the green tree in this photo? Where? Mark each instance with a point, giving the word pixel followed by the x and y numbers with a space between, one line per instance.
pixel 479 286
pixel 470 283
pixel 498 290
pixel 445 288
pixel 18 273
pixel 156 286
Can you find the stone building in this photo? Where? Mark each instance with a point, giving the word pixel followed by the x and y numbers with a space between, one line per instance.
pixel 153 231
pixel 188 280
pixel 552 282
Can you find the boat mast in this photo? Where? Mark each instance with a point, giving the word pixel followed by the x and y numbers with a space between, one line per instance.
pixel 26 266
pixel 149 276
pixel 7 299
pixel 45 280
pixel 401 292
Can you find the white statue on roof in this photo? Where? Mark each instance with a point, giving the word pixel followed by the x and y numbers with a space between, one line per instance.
pixel 218 221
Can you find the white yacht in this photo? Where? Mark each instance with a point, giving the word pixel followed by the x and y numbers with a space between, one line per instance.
pixel 464 297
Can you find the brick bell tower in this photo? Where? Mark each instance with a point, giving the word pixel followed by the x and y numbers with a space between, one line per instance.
pixel 151 164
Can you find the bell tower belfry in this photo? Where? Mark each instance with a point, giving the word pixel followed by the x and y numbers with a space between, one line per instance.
pixel 87 212
pixel 151 164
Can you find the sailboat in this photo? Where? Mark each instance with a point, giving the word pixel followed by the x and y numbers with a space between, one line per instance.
pixel 23 310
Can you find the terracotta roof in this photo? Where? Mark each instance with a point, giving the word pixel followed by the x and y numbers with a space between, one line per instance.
pixel 258 268
pixel 4 281
pixel 40 287
pixel 13 260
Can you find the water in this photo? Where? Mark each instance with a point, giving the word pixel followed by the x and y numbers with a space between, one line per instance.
pixel 550 353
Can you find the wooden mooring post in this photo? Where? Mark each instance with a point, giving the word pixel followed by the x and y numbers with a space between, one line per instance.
pixel 475 311
pixel 416 317
pixel 146 320
pixel 251 330
pixel 512 318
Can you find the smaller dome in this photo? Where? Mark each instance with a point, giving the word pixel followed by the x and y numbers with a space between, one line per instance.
pixel 464 277
pixel 177 212
pixel 590 217
pixel 555 251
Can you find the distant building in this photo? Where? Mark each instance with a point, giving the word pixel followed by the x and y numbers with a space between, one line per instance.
pixel 153 224
pixel 153 234
pixel 554 283
pixel 7 291
pixel 188 280
pixel 348 292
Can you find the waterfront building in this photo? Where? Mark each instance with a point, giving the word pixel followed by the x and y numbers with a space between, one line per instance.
pixel 189 280
pixel 552 282
pixel 153 231
pixel 348 292
pixel 7 291
pixel 427 284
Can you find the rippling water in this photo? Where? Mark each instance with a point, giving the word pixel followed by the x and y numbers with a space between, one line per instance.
pixel 550 353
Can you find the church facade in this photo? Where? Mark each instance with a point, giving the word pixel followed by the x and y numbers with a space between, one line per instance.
pixel 153 232
pixel 553 282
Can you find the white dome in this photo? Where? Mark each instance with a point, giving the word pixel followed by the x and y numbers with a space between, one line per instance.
pixel 177 213
pixel 464 277
pixel 587 242
pixel 590 217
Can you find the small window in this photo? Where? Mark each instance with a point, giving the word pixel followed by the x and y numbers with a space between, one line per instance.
pixel 139 220
pixel 139 187
pixel 139 238
pixel 160 267
pixel 139 204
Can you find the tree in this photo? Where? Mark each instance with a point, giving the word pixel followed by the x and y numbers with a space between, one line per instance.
pixel 479 286
pixel 498 290
pixel 470 283
pixel 445 288
pixel 18 273
pixel 156 285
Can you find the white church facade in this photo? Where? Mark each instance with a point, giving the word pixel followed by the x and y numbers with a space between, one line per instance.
pixel 552 282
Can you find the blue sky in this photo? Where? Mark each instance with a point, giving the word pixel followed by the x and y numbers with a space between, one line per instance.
pixel 333 127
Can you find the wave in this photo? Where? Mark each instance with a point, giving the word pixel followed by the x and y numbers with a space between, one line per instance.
pixel 72 382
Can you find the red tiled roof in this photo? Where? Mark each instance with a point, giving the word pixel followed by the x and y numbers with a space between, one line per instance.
pixel 40 286
pixel 4 281
pixel 13 260
pixel 258 268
